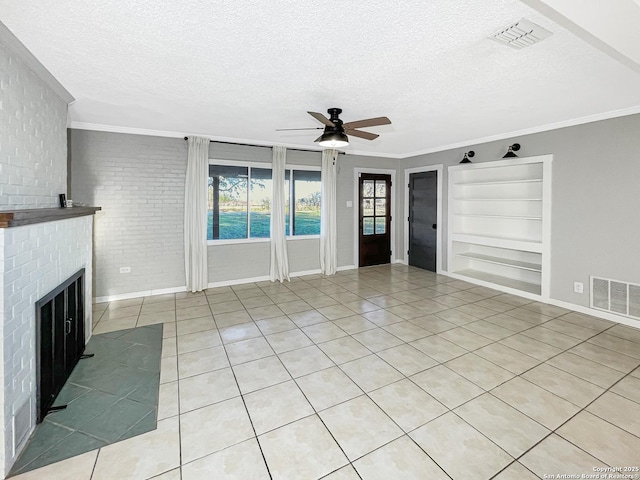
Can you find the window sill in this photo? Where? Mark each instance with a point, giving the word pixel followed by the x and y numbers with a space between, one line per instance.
pixel 238 241
pixel 303 237
pixel 241 241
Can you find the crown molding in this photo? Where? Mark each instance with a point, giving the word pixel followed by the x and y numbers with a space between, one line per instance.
pixel 528 131
pixel 169 134
pixel 476 141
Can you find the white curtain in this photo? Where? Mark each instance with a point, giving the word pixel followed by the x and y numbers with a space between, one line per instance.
pixel 195 214
pixel 279 259
pixel 328 237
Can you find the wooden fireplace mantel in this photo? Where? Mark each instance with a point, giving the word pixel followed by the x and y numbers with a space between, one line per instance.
pixel 18 218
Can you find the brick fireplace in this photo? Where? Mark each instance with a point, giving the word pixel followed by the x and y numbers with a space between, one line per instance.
pixel 34 259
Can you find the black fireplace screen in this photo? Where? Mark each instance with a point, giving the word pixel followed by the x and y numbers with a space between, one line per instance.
pixel 59 339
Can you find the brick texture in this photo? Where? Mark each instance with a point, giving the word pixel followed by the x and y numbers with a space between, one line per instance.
pixel 33 145
pixel 139 183
pixel 35 259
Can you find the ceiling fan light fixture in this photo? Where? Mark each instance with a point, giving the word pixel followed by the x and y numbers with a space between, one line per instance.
pixel 333 140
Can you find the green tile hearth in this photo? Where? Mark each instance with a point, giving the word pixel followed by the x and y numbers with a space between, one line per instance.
pixel 110 397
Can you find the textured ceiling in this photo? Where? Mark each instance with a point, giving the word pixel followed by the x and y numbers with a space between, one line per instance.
pixel 237 70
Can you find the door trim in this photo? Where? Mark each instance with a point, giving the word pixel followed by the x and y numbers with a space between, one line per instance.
pixel 439 236
pixel 356 200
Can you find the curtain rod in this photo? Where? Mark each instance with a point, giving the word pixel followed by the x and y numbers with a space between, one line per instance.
pixel 266 146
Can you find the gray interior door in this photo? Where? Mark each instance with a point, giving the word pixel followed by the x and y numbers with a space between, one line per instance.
pixel 423 211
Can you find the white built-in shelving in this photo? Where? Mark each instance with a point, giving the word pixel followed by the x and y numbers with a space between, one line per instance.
pixel 499 218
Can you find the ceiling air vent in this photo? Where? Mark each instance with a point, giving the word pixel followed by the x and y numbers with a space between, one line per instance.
pixel 520 34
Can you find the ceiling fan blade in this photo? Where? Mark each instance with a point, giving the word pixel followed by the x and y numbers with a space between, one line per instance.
pixel 288 129
pixel 321 118
pixel 361 134
pixel 318 139
pixel 369 122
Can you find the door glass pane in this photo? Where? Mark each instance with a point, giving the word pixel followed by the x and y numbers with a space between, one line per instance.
pixel 367 206
pixel 367 226
pixel 381 188
pixel 381 225
pixel 367 188
pixel 260 202
pixel 381 204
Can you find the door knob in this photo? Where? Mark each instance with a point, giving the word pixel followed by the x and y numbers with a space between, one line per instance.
pixel 434 226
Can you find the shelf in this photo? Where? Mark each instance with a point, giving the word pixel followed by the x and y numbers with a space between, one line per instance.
pixel 17 218
pixel 523 244
pixel 534 267
pixel 499 280
pixel 499 225
pixel 498 182
pixel 508 217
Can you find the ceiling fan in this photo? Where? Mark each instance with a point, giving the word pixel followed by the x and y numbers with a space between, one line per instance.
pixel 335 131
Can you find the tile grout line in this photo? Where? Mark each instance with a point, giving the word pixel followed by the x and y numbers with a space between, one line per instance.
pixel 244 403
pixel 582 409
pixel 470 351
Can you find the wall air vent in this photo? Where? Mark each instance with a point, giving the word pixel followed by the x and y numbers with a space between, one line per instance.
pixel 520 34
pixel 616 297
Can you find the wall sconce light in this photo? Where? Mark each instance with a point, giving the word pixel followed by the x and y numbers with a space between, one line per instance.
pixel 470 153
pixel 512 148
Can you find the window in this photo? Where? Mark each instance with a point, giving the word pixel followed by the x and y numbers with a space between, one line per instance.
pixel 260 202
pixel 306 200
pixel 240 202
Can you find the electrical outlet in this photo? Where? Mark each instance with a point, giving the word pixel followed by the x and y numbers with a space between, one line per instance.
pixel 125 269
pixel 578 287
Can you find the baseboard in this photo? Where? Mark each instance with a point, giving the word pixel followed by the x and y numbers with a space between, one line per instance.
pixel 238 281
pixel 162 291
pixel 346 267
pixel 401 261
pixel 569 306
pixel 224 283
pixel 305 272
pixel 596 313
pixel 143 293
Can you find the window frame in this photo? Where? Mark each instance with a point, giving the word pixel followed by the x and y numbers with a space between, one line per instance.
pixel 268 166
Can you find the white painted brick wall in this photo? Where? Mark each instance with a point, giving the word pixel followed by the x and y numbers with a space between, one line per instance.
pixel 36 259
pixel 2 368
pixel 139 183
pixel 33 140
pixel 33 259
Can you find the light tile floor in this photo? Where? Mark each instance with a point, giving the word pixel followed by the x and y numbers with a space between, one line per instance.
pixel 108 397
pixel 381 373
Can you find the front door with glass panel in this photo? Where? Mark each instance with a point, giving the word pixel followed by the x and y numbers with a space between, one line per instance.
pixel 374 219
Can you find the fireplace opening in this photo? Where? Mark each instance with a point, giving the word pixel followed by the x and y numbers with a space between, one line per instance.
pixel 60 339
